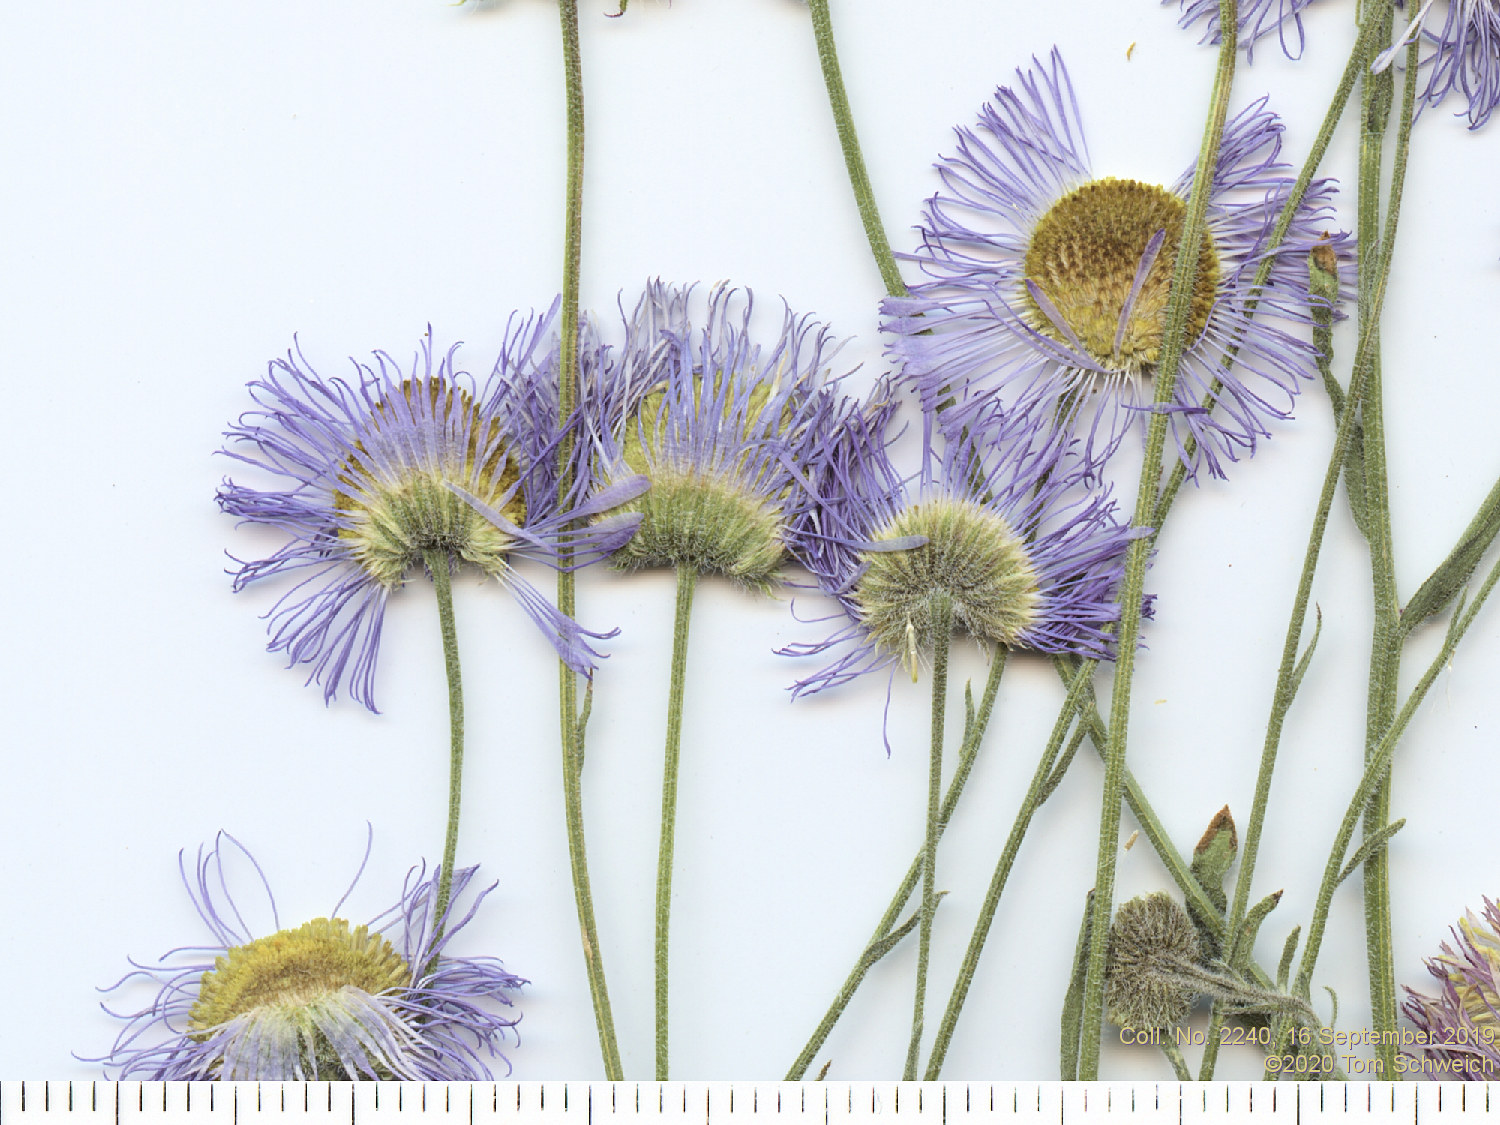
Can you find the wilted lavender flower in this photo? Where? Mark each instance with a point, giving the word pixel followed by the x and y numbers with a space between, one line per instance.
pixel 1050 286
pixel 1258 18
pixel 373 467
pixel 994 523
pixel 1462 1023
pixel 322 1001
pixel 719 426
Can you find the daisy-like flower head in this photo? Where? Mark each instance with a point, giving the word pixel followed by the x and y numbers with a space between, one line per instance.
pixel 379 477
pixel 324 1001
pixel 719 425
pixel 1462 1022
pixel 994 525
pixel 1258 19
pixel 1049 285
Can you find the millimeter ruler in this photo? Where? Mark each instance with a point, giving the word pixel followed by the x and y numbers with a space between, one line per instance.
pixel 740 1103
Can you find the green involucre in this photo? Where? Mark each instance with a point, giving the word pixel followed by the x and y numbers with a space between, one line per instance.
pixel 1151 941
pixel 712 520
pixel 393 522
pixel 972 559
pixel 709 524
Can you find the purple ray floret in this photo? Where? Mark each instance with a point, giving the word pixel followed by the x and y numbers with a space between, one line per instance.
pixel 370 475
pixel 441 1018
pixel 992 322
pixel 1258 19
pixel 1464 55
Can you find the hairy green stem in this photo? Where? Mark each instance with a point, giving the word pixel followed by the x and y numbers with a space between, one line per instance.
pixel 942 623
pixel 1359 60
pixel 854 161
pixel 1385 641
pixel 1174 1056
pixel 1375 771
pixel 1036 793
pixel 567 396
pixel 1286 673
pixel 1179 868
pixel 437 565
pixel 1281 702
pixel 874 948
pixel 1132 587
pixel 1363 366
pixel 687 582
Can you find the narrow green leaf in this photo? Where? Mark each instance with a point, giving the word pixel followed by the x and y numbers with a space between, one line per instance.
pixel 1371 845
pixel 1284 969
pixel 1306 657
pixel 878 949
pixel 1072 1012
pixel 968 710
pixel 1454 572
pixel 1354 479
pixel 1215 852
pixel 583 719
pixel 1455 624
pixel 1054 779
pixel 1253 918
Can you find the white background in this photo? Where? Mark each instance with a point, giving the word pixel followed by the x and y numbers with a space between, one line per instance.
pixel 187 185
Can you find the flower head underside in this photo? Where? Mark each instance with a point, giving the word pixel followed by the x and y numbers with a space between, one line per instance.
pixel 380 477
pixel 719 425
pixel 994 528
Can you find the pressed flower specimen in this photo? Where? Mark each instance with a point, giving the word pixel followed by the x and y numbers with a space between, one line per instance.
pixel 1157 968
pixel 326 1000
pixel 370 470
pixel 720 426
pixel 1462 1022
pixel 404 470
pixel 992 538
pixel 1049 284
pixel 995 537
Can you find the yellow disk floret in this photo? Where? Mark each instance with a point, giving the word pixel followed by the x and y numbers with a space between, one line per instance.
pixel 1083 256
pixel 293 969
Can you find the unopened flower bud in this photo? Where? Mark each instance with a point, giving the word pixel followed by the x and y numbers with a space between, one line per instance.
pixel 1151 938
